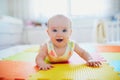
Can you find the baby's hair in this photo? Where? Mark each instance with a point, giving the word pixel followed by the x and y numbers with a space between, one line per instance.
pixel 60 16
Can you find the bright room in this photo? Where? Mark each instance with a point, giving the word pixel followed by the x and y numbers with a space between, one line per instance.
pixel 95 27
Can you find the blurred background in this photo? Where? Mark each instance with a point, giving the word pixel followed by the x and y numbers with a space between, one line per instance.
pixel 24 22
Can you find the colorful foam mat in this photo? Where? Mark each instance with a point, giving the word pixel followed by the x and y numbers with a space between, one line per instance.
pixel 21 66
pixel 27 55
pixel 108 48
pixel 116 65
pixel 30 54
pixel 23 56
pixel 111 56
pixel 16 70
pixel 76 72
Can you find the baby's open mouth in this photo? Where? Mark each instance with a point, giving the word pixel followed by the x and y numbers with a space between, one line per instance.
pixel 59 40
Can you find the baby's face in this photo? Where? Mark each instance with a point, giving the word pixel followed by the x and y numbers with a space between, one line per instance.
pixel 59 30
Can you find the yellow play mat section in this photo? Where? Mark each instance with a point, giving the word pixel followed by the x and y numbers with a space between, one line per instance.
pixel 22 66
pixel 76 72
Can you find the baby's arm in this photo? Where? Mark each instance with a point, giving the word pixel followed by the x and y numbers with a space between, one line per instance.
pixel 40 58
pixel 86 56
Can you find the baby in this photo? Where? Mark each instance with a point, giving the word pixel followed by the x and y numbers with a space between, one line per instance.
pixel 60 48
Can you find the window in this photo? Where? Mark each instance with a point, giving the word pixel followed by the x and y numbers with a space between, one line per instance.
pixel 49 7
pixel 52 7
pixel 89 7
pixel 71 7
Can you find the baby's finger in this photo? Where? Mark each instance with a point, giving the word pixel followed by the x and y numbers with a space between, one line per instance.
pixel 51 66
pixel 96 65
pixel 99 63
pixel 90 64
pixel 40 68
pixel 45 68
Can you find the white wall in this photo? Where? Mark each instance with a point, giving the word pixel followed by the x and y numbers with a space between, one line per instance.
pixel 82 31
pixel 38 35
pixel 11 30
pixel 3 7
pixel 82 26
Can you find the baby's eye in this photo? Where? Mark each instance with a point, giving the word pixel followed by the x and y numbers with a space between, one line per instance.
pixel 64 30
pixel 54 30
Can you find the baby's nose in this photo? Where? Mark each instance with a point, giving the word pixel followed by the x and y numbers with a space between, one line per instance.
pixel 59 33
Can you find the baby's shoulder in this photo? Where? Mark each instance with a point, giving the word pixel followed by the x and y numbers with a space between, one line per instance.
pixel 45 43
pixel 43 46
pixel 72 42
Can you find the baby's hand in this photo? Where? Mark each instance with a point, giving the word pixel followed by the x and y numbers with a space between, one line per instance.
pixel 45 66
pixel 93 63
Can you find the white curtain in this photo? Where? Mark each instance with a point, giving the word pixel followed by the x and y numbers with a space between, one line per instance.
pixel 32 9
pixel 27 9
pixel 19 9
